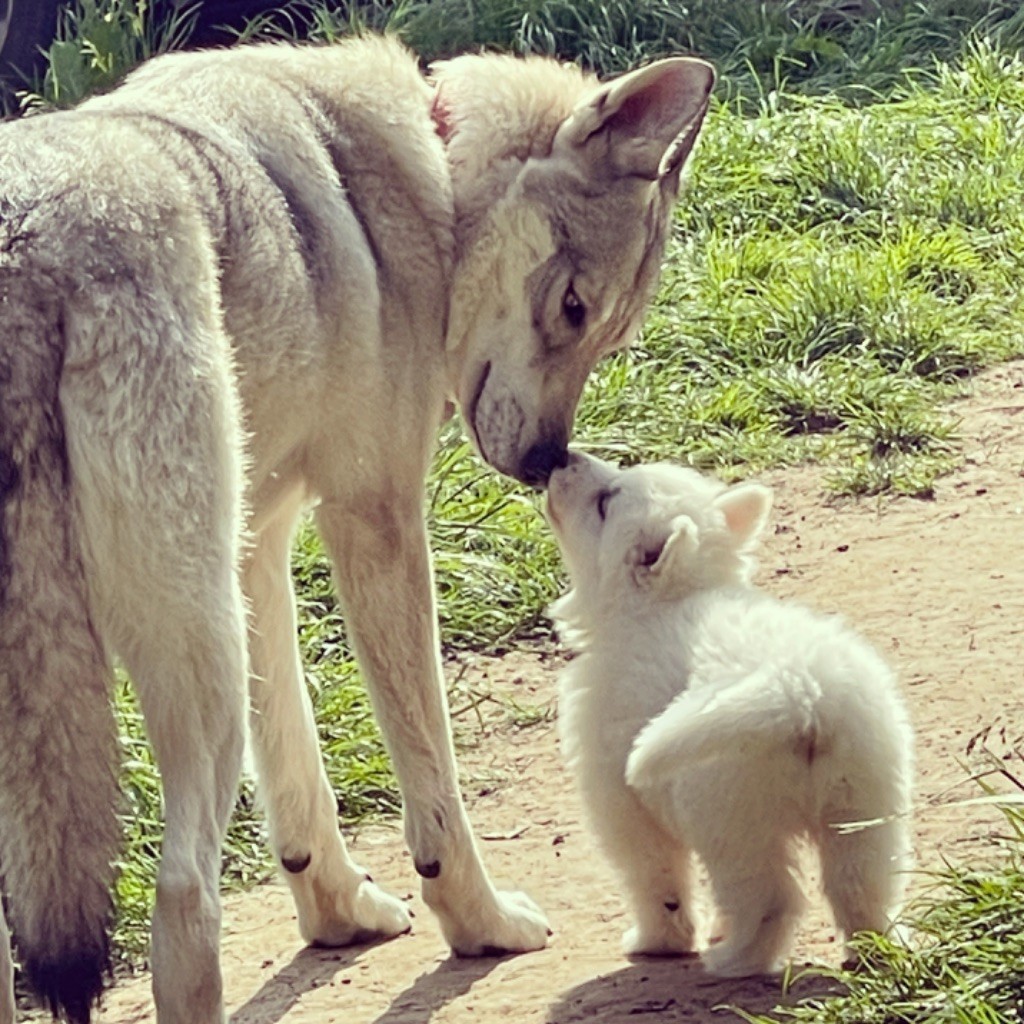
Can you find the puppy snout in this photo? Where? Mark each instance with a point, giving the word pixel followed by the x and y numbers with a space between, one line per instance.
pixel 561 474
pixel 541 461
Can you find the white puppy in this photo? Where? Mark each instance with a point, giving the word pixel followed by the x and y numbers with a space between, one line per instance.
pixel 705 716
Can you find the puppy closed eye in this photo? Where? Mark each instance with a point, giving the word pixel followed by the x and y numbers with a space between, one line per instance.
pixel 601 501
pixel 650 556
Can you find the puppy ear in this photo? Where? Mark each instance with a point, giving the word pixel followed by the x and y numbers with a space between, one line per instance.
pixel 645 123
pixel 746 508
pixel 663 562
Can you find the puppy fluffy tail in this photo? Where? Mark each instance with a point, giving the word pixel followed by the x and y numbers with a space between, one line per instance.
pixel 699 727
pixel 59 833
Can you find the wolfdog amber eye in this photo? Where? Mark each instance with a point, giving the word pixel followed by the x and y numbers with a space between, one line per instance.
pixel 573 309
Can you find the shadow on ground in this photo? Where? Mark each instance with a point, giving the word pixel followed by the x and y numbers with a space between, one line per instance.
pixel 313 968
pixel 677 990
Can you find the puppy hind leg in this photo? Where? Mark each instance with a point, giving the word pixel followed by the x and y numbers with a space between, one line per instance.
pixel 864 874
pixel 659 888
pixel 336 902
pixel 654 866
pixel 759 904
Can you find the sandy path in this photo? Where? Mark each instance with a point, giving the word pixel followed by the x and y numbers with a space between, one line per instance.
pixel 939 586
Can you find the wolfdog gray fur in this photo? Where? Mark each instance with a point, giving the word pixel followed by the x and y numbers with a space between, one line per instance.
pixel 243 283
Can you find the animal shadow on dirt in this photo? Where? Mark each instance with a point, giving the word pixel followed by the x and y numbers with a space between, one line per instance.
pixel 671 989
pixel 312 968
pixel 309 969
pixel 432 990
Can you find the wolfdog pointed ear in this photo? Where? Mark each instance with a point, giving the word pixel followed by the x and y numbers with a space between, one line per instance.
pixel 646 122
pixel 662 561
pixel 746 508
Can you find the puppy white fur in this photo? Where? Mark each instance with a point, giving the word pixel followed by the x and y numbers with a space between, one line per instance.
pixel 704 716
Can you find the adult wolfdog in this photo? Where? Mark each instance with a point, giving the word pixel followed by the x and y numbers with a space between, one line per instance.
pixel 240 284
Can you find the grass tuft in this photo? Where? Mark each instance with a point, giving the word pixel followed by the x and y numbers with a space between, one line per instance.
pixel 963 963
pixel 99 41
pixel 857 50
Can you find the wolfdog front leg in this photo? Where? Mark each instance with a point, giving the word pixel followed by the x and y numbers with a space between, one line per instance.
pixel 379 548
pixel 336 901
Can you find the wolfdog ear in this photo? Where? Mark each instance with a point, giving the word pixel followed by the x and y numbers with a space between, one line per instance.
pixel 746 508
pixel 646 122
pixel 663 561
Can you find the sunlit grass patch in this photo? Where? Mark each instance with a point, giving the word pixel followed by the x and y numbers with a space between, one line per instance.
pixel 962 963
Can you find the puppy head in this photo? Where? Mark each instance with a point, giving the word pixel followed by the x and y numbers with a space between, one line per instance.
pixel 652 533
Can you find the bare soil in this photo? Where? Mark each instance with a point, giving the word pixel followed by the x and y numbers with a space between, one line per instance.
pixel 937 585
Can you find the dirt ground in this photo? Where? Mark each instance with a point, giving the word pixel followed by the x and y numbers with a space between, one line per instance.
pixel 938 585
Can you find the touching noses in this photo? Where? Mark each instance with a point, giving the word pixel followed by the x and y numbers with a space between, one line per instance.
pixel 541 461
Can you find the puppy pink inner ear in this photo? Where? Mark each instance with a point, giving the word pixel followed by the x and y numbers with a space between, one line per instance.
pixel 746 508
pixel 659 558
pixel 646 556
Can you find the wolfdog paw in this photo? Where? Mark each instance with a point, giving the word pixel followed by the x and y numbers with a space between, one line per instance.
pixel 370 915
pixel 512 923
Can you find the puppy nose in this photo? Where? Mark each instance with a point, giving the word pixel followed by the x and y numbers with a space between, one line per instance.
pixel 541 461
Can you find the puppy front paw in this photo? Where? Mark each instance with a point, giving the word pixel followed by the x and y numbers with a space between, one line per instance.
pixel 723 960
pixel 670 936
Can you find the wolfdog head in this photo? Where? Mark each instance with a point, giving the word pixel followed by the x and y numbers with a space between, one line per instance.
pixel 563 189
pixel 653 533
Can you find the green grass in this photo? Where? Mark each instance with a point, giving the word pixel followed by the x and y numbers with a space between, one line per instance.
pixel 964 963
pixel 100 41
pixel 858 50
pixel 838 268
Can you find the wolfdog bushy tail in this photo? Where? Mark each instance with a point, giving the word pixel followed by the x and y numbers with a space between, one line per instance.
pixel 58 793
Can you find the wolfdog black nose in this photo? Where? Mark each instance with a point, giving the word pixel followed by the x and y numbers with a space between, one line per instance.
pixel 541 461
